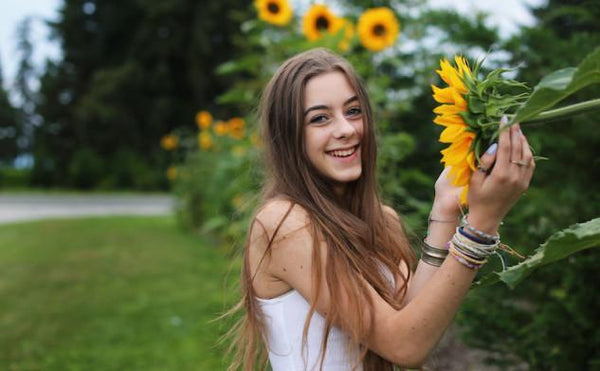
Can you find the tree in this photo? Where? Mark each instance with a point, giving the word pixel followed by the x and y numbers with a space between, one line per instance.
pixel 9 127
pixel 25 75
pixel 131 73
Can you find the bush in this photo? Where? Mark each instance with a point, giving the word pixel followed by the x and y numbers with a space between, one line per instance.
pixel 85 169
pixel 14 178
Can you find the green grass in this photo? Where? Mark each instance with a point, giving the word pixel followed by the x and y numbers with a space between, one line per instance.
pixel 119 293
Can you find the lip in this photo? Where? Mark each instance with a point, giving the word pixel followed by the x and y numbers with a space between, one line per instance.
pixel 342 149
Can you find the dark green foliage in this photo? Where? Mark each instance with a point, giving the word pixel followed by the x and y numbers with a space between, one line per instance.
pixel 132 72
pixel 9 127
pixel 85 168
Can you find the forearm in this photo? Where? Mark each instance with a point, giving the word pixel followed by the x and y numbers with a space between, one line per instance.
pixel 426 317
pixel 440 231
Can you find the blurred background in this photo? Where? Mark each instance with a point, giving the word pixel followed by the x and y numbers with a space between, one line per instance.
pixel 144 113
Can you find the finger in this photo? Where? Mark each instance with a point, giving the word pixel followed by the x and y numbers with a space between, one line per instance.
pixel 503 160
pixel 526 153
pixel 528 159
pixel 516 142
pixel 486 162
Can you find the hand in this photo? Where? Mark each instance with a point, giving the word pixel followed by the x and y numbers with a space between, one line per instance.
pixel 446 204
pixel 493 193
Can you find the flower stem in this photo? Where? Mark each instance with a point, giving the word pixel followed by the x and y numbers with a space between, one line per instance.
pixel 564 112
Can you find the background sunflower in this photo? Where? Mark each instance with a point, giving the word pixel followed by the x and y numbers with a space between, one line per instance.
pixel 378 28
pixel 319 20
pixel 277 12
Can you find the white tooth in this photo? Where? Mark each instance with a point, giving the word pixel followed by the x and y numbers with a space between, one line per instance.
pixel 345 153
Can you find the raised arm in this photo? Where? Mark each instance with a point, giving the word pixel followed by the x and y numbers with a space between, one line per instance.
pixel 445 212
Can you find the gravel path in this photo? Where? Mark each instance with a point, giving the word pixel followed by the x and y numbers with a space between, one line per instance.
pixel 23 207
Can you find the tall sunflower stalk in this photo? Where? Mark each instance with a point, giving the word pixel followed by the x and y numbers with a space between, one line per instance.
pixel 471 108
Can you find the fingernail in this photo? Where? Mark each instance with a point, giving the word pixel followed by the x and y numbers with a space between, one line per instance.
pixel 520 132
pixel 492 149
pixel 503 120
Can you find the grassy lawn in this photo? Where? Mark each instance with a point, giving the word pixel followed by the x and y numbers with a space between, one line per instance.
pixel 119 293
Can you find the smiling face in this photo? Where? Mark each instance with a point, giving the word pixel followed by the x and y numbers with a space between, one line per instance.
pixel 333 128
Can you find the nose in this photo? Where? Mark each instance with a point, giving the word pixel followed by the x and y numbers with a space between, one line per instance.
pixel 343 128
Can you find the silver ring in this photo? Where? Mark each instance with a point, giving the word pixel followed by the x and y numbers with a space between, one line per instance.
pixel 483 169
pixel 520 163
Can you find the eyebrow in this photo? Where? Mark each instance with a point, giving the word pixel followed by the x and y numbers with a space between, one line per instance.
pixel 313 108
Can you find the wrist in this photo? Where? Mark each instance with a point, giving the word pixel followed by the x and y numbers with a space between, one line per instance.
pixel 444 209
pixel 484 224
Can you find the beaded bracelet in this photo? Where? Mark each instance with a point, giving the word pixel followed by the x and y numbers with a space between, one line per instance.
pixel 462 231
pixel 477 232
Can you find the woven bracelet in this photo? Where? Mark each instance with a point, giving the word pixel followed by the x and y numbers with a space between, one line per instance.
pixel 477 232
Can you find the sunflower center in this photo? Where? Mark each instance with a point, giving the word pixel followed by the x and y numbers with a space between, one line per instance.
pixel 273 8
pixel 322 23
pixel 379 30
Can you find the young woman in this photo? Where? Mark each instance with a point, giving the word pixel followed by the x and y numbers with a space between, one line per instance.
pixel 329 279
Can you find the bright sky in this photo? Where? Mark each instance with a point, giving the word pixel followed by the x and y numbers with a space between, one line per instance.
pixel 11 13
pixel 507 15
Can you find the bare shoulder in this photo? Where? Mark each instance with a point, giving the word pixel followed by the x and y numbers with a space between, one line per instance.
pixel 279 217
pixel 279 236
pixel 389 211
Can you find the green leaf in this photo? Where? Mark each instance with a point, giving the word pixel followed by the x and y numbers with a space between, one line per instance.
pixel 559 246
pixel 560 84
pixel 249 63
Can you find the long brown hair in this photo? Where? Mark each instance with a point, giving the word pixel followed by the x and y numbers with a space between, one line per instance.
pixel 360 236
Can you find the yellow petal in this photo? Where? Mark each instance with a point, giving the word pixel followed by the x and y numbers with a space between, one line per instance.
pixel 448 109
pixel 459 101
pixel 457 152
pixel 446 120
pixel 444 95
pixel 446 71
pixel 471 161
pixel 450 134
pixel 463 175
pixel 463 67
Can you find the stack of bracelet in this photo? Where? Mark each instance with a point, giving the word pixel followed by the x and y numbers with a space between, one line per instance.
pixel 471 247
pixel 433 255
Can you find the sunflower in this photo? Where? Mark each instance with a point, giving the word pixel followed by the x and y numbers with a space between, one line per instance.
pixel 171 173
pixel 203 119
pixel 459 155
pixel 205 140
pixel 378 28
pixel 221 128
pixel 319 20
pixel 277 12
pixel 470 110
pixel 169 142
pixel 237 127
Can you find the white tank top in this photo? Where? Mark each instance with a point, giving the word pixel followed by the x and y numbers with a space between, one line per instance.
pixel 284 319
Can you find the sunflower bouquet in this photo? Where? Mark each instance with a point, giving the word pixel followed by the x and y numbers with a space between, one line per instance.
pixel 471 107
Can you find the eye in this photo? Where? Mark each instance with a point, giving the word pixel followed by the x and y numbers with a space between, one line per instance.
pixel 318 119
pixel 354 111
